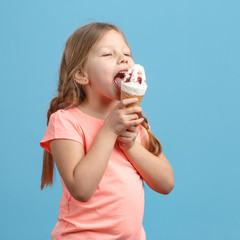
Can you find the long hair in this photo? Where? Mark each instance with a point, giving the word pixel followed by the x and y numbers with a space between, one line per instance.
pixel 74 56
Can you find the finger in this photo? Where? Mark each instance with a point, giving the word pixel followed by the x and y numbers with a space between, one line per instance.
pixel 127 101
pixel 130 130
pixel 131 110
pixel 135 122
pixel 131 117
pixel 133 129
pixel 125 140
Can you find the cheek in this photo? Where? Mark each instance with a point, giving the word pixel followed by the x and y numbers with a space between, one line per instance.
pixel 131 62
pixel 105 68
pixel 95 71
pixel 99 72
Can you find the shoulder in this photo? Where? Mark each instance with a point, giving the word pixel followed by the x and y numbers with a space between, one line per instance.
pixel 63 124
pixel 63 115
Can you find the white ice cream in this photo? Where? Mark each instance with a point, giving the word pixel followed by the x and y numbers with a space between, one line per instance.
pixel 134 82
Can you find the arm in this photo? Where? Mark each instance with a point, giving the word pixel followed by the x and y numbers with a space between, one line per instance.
pixel 82 173
pixel 155 170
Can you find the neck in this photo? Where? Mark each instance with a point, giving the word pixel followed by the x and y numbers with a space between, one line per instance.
pixel 97 108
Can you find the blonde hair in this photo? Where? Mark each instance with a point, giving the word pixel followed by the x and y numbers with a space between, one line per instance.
pixel 70 93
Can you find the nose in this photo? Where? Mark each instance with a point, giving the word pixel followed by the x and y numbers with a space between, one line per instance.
pixel 122 59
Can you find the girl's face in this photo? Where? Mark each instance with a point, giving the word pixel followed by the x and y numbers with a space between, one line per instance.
pixel 109 57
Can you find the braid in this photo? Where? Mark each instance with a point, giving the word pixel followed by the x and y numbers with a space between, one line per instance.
pixel 155 146
pixel 69 93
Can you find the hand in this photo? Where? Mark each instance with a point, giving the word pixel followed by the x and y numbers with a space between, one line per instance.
pixel 122 119
pixel 127 139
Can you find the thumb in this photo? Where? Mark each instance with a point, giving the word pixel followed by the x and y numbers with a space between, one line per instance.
pixel 127 101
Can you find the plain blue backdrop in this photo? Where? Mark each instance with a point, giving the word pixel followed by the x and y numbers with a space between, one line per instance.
pixel 191 54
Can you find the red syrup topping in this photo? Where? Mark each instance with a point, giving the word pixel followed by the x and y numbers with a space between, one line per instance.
pixel 139 80
pixel 128 79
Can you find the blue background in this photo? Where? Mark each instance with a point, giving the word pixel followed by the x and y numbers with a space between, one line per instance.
pixel 191 54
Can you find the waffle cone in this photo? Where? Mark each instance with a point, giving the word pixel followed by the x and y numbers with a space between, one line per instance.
pixel 125 95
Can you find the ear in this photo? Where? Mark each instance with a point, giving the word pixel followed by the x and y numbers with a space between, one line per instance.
pixel 80 77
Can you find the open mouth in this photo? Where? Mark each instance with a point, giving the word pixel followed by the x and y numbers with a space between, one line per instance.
pixel 118 78
pixel 121 75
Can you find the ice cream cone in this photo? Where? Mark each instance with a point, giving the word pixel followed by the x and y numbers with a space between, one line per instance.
pixel 134 84
pixel 125 95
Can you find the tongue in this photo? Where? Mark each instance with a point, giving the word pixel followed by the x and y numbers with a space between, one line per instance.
pixel 117 82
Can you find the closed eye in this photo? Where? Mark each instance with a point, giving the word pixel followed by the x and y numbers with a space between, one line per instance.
pixel 107 54
pixel 128 54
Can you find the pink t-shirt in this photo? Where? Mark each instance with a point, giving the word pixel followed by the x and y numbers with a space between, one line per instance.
pixel 115 211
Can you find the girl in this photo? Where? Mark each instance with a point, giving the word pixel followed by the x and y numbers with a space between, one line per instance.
pixel 103 149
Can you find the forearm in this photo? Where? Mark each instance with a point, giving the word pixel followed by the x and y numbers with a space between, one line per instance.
pixel 90 169
pixel 156 171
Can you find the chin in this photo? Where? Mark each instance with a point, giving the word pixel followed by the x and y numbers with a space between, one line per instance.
pixel 117 96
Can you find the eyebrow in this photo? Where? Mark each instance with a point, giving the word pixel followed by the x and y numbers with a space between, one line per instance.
pixel 102 49
pixel 111 46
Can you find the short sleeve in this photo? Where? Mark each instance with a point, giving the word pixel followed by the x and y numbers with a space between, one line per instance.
pixel 142 132
pixel 62 125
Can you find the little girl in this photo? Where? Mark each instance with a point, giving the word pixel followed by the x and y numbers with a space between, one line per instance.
pixel 103 149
